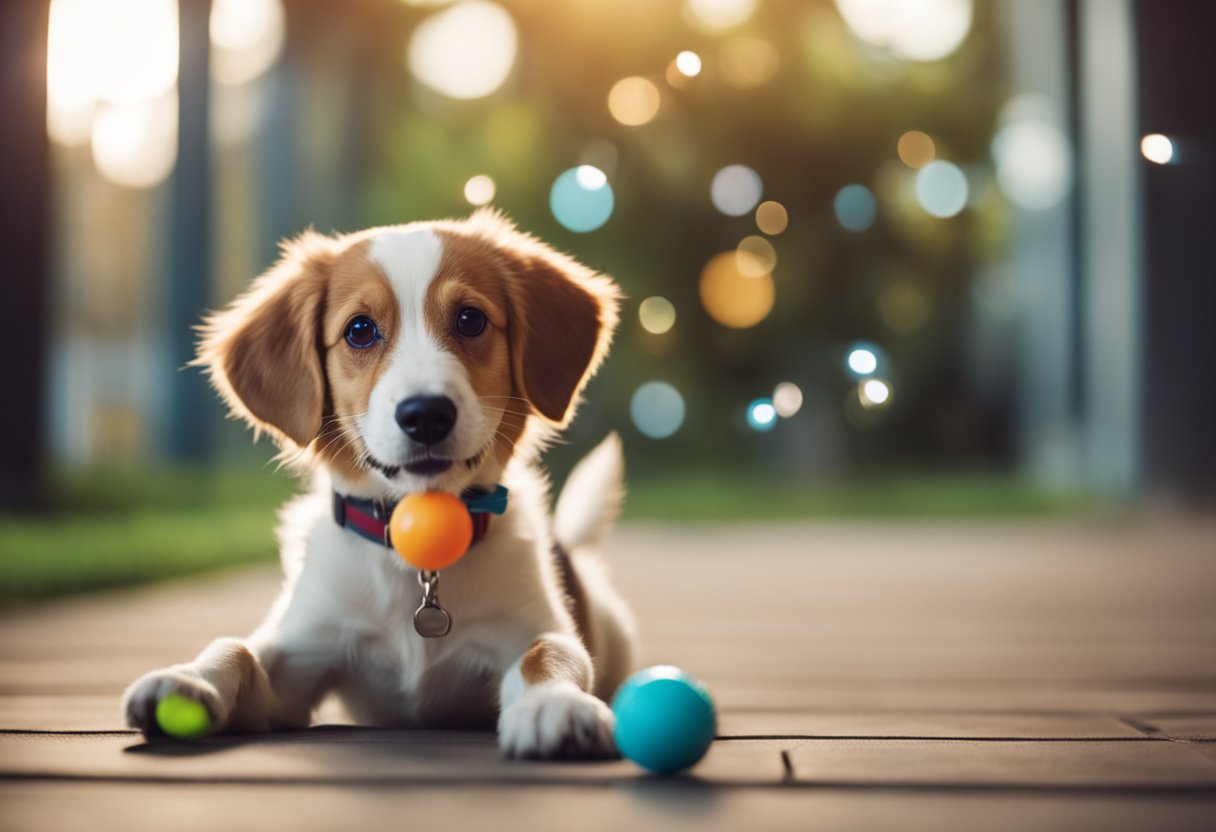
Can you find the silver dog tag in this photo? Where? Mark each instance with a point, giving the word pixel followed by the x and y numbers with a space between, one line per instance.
pixel 430 619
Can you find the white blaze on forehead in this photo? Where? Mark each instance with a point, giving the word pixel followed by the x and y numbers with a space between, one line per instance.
pixel 418 364
pixel 409 260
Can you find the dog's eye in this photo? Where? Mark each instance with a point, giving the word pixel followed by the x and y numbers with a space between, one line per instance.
pixel 362 332
pixel 470 322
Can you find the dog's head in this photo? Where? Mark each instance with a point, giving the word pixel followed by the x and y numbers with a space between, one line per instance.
pixel 412 357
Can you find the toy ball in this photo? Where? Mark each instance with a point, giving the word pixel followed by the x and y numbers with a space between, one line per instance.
pixel 183 718
pixel 431 530
pixel 665 719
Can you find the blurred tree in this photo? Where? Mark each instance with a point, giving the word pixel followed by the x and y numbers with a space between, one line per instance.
pixel 187 291
pixel 24 237
pixel 811 111
pixel 1180 281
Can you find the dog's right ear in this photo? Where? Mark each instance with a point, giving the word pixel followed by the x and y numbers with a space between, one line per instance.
pixel 261 352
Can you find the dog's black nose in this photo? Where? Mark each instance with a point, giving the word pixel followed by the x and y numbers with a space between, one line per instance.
pixel 427 419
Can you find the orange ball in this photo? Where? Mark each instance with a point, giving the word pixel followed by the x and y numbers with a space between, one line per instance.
pixel 431 530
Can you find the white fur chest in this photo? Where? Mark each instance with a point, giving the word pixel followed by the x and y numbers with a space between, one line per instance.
pixel 351 603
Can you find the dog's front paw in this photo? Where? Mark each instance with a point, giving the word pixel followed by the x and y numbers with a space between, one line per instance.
pixel 557 720
pixel 140 701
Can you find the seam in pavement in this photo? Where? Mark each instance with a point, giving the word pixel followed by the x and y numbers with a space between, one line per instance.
pixel 1157 737
pixel 1192 788
pixel 902 737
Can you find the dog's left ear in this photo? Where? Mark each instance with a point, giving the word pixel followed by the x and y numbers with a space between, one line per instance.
pixel 562 319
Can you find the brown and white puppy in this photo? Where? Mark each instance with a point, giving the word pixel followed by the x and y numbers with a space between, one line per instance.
pixel 426 357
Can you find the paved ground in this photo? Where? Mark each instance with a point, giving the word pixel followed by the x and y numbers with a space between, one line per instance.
pixel 869 676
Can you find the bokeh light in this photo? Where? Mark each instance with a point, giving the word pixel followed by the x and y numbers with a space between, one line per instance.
pixel 941 189
pixel 141 43
pixel 862 359
pixel 733 298
pixel 747 62
pixel 72 48
pixel 916 149
pixel 657 315
pixel 479 190
pixel 919 30
pixel 135 145
pixel 689 64
pixel 634 101
pixel 465 51
pixel 762 415
pixel 98 54
pixel 772 218
pixel 1157 148
pixel 657 409
pixel 582 199
pixel 855 207
pixel 787 399
pixel 715 15
pixel 1033 158
pixel 590 177
pixel 755 256
pixel 735 190
pixel 246 38
pixel 873 392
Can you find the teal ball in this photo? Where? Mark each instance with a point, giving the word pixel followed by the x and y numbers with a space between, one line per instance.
pixel 665 719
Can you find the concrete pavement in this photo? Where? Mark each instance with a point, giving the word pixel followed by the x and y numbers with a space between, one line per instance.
pixel 868 675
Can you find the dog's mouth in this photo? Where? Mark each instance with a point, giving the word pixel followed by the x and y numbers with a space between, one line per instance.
pixel 427 466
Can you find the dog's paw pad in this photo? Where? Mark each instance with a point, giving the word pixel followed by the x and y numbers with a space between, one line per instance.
pixel 557 722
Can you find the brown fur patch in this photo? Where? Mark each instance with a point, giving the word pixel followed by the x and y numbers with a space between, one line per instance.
pixel 261 351
pixel 472 276
pixel 549 661
pixel 357 286
pixel 575 594
pixel 559 315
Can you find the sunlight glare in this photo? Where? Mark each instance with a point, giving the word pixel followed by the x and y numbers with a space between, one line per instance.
pixel 246 38
pixel 99 53
pixel 716 15
pixel 135 145
pixel 464 52
pixel 919 30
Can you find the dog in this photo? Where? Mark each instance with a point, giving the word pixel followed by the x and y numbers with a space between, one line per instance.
pixel 433 356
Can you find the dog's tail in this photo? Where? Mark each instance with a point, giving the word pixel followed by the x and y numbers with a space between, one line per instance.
pixel 591 498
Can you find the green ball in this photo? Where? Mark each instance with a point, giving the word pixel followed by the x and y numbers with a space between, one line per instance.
pixel 182 718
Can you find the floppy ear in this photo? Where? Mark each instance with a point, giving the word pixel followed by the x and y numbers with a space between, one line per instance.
pixel 563 316
pixel 262 351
